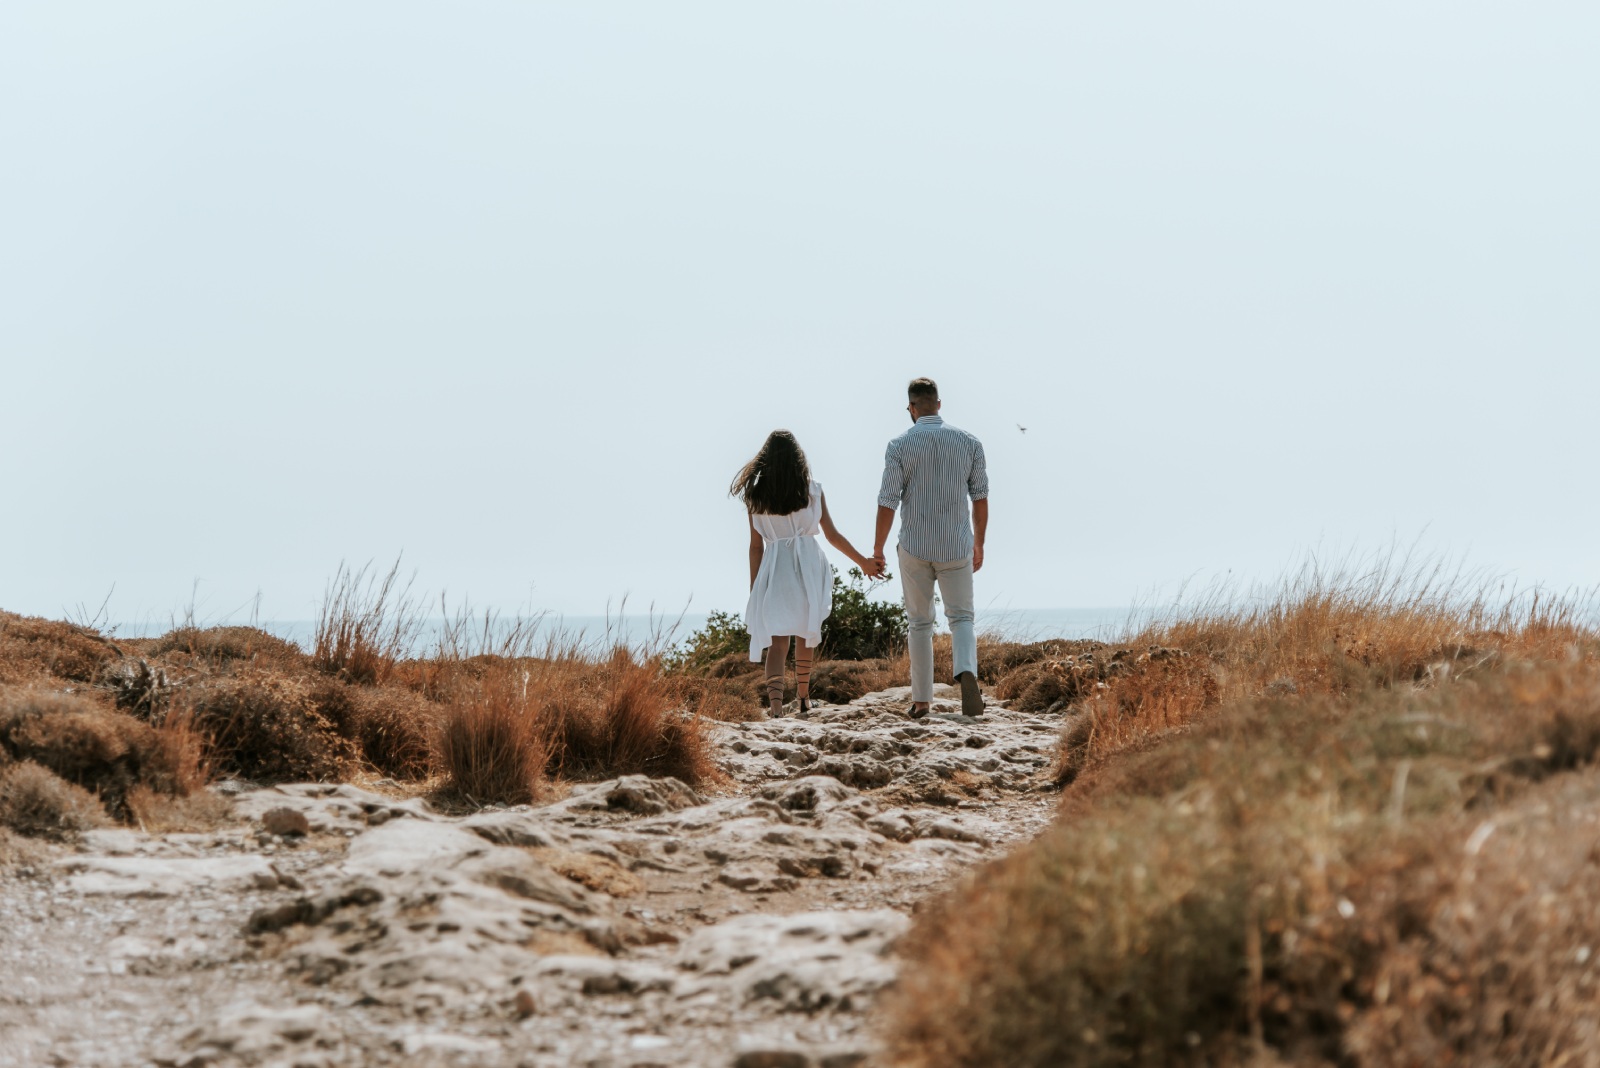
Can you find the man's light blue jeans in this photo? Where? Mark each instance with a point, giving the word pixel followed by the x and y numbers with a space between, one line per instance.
pixel 954 577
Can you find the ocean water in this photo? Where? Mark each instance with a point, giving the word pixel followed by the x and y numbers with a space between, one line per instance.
pixel 663 631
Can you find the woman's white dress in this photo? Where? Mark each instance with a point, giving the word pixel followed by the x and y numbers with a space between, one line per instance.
pixel 794 585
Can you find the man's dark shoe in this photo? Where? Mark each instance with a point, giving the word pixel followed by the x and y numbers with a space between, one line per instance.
pixel 971 696
pixel 918 713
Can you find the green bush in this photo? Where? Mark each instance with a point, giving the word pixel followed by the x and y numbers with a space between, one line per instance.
pixel 723 634
pixel 857 628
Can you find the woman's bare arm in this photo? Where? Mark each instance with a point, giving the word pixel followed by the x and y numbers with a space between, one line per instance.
pixel 757 548
pixel 840 542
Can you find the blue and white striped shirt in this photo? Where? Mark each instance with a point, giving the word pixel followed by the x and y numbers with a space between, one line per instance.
pixel 935 469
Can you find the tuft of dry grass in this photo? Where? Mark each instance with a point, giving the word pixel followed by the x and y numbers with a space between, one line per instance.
pixel 158 813
pixel 491 744
pixel 568 713
pixel 366 624
pixel 36 802
pixel 614 716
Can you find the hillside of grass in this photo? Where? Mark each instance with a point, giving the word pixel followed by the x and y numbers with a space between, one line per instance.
pixel 1355 821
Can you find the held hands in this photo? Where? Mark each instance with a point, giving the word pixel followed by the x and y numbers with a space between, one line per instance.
pixel 873 567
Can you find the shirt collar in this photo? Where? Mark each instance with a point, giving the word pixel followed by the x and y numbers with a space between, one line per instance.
pixel 928 419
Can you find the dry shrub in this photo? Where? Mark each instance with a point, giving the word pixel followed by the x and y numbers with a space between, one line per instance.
pixel 998 658
pixel 393 728
pixel 265 726
pixel 95 747
pixel 842 681
pixel 224 645
pixel 36 802
pixel 1316 877
pixel 615 716
pixel 491 745
pixel 158 813
pixel 732 699
pixel 366 624
pixel 31 648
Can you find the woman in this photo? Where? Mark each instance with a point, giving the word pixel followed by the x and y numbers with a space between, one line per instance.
pixel 791 585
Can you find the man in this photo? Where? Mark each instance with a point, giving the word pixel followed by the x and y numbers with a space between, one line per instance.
pixel 930 472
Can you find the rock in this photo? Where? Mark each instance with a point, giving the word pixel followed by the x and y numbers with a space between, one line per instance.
pixel 810 794
pixel 647 796
pixel 845 1058
pixel 603 975
pixel 524 1004
pixel 167 876
pixel 402 846
pixel 894 824
pixel 806 962
pixel 772 1058
pixel 755 879
pixel 285 822
pixel 252 1034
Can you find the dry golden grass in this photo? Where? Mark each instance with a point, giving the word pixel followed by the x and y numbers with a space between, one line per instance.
pixel 158 813
pixel 491 746
pixel 1345 826
pixel 367 623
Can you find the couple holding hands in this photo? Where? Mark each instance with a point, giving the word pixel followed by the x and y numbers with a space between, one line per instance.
pixel 930 473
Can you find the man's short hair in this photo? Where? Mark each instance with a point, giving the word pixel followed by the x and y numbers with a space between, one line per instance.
pixel 924 392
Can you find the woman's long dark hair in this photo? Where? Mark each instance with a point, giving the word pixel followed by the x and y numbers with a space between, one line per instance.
pixel 778 480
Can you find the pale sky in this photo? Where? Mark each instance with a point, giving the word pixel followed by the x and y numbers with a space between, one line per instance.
pixel 514 288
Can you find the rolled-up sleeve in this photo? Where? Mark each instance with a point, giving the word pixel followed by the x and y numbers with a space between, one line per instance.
pixel 894 479
pixel 978 477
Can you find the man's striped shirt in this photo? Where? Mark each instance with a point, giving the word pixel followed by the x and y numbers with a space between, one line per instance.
pixel 930 472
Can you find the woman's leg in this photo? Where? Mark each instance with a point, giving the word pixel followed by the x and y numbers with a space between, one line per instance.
pixel 777 656
pixel 802 669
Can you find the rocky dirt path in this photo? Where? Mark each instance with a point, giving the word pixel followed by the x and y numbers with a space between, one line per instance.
pixel 633 922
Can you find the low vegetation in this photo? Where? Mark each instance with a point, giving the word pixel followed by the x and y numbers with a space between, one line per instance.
pixel 1339 826
pixel 492 715
pixel 35 801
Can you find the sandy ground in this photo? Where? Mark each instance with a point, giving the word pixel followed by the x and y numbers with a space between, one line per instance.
pixel 630 923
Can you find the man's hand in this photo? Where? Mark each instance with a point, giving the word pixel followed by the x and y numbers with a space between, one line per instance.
pixel 977 559
pixel 873 567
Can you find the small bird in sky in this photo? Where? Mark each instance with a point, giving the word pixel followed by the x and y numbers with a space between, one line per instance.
pixel 1022 428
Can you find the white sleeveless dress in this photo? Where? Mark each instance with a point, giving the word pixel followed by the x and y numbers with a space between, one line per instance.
pixel 794 585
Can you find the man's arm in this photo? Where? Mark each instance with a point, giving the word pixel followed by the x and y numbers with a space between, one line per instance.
pixel 889 494
pixel 980 527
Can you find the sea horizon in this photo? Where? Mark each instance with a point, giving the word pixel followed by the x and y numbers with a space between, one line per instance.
pixel 664 630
